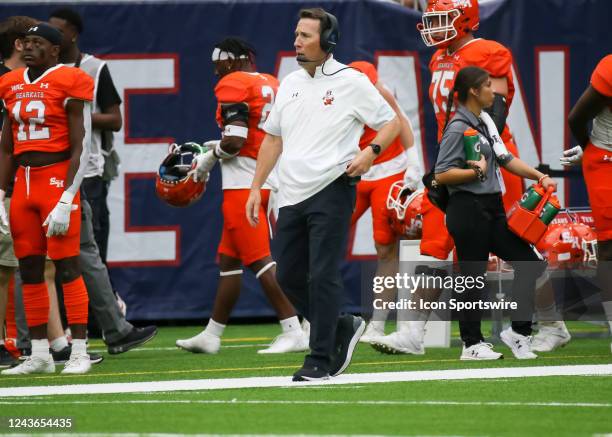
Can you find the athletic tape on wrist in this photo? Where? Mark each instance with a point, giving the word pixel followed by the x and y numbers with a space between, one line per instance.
pixel 231 130
pixel 231 273
pixel 265 268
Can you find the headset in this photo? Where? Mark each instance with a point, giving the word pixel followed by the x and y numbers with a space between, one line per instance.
pixel 331 34
pixel 328 41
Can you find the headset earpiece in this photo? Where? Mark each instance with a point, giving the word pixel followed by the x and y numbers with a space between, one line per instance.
pixel 331 34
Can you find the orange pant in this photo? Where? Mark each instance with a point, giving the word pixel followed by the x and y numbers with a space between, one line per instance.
pixel 239 240
pixel 436 240
pixel 513 183
pixel 37 191
pixel 374 194
pixel 11 325
pixel 597 170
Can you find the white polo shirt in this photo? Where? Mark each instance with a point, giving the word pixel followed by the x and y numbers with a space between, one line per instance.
pixel 320 120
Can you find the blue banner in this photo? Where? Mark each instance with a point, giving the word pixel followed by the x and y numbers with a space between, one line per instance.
pixel 163 259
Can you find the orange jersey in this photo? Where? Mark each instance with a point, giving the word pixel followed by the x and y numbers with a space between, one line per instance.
pixel 258 91
pixel 37 108
pixel 483 53
pixel 395 148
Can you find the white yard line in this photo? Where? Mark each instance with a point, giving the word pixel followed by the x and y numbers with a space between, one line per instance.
pixel 284 381
pixel 150 349
pixel 436 403
pixel 77 434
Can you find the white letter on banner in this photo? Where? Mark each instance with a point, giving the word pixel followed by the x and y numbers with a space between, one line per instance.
pixel 126 246
pixel 553 103
pixel 552 115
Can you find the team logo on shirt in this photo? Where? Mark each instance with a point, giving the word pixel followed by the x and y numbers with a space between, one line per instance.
pixel 59 183
pixel 329 98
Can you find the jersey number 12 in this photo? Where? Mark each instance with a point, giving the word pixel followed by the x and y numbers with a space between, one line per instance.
pixel 35 129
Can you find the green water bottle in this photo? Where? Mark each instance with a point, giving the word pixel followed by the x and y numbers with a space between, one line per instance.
pixel 532 197
pixel 550 210
pixel 471 145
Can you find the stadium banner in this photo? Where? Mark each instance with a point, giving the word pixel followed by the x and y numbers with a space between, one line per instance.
pixel 162 259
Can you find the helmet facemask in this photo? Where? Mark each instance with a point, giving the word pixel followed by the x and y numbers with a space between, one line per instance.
pixel 436 24
pixel 399 198
pixel 589 250
pixel 174 183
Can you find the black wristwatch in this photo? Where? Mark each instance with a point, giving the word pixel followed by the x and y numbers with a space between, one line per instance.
pixel 376 148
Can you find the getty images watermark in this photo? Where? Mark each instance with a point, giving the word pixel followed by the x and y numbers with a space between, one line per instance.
pixel 411 283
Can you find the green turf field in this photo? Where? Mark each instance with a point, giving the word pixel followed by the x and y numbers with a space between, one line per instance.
pixel 551 405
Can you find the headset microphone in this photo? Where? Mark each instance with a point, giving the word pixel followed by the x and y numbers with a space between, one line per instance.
pixel 304 59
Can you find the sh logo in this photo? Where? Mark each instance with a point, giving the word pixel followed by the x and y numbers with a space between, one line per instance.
pixel 59 183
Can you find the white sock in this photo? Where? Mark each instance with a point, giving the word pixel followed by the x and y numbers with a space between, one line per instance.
pixel 377 324
pixel 417 327
pixel 1 342
pixel 214 328
pixel 548 314
pixel 40 348
pixel 380 316
pixel 79 346
pixel 403 326
pixel 607 306
pixel 412 320
pixel 290 324
pixel 59 343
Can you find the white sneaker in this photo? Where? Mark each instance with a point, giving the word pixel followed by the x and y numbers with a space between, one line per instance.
pixel 480 351
pixel 552 335
pixel 372 332
pixel 32 365
pixel 520 345
pixel 293 341
pixel 398 343
pixel 306 328
pixel 203 343
pixel 78 364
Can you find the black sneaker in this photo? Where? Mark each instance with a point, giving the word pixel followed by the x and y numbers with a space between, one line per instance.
pixel 6 359
pixel 25 353
pixel 349 329
pixel 137 337
pixel 60 357
pixel 310 374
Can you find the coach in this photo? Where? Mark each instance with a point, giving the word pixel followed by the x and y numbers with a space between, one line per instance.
pixel 314 127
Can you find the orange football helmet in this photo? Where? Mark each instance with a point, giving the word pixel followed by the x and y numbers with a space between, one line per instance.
pixel 405 206
pixel 566 246
pixel 173 184
pixel 446 20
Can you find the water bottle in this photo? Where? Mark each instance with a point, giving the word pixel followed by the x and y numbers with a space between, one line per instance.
pixel 471 145
pixel 532 197
pixel 550 210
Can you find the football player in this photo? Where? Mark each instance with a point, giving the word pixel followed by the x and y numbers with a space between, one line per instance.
pixel 245 98
pixel 594 151
pixel 46 134
pixel 399 162
pixel 12 32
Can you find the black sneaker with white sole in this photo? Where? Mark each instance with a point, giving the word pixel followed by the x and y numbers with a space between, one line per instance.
pixel 60 357
pixel 136 337
pixel 6 359
pixel 348 331
pixel 310 374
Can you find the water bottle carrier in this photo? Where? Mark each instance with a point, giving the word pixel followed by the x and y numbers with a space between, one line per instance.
pixel 527 224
